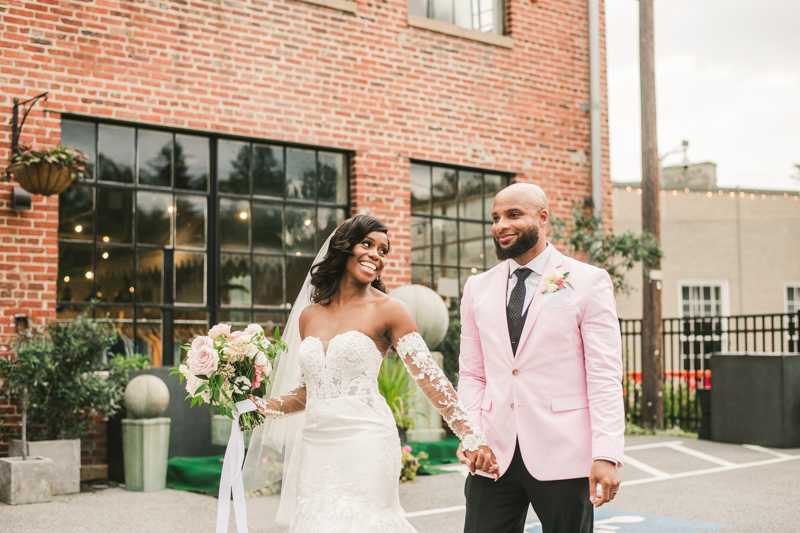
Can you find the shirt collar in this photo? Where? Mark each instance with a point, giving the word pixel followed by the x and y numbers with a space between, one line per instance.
pixel 537 264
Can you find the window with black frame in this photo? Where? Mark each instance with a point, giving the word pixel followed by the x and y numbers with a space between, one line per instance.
pixel 160 243
pixel 451 225
pixel 481 15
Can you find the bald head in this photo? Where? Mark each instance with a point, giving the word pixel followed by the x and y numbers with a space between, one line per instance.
pixel 528 193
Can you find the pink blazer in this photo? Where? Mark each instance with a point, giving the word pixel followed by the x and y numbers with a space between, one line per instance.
pixel 561 396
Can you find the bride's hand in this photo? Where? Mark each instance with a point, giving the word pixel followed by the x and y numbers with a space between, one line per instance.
pixel 483 460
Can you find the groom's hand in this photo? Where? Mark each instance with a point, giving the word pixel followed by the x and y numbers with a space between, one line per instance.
pixel 482 460
pixel 604 474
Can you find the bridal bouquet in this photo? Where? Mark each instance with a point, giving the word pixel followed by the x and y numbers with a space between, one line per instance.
pixel 222 368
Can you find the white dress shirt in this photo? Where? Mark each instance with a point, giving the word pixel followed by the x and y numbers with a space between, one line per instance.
pixel 537 266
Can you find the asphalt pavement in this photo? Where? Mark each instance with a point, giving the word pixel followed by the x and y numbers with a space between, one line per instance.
pixel 670 485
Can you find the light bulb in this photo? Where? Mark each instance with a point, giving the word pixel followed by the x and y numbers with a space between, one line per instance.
pixel 66 279
pixel 78 229
pixel 89 275
pixel 105 255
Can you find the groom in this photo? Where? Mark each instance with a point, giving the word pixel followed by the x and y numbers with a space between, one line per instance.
pixel 541 374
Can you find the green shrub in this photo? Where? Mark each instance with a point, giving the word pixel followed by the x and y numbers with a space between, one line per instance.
pixel 397 386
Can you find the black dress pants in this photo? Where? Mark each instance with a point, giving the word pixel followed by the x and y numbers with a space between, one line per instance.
pixel 501 506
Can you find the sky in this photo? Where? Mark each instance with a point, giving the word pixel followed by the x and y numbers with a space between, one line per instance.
pixel 727 80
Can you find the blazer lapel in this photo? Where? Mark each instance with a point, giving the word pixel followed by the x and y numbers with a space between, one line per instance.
pixel 556 260
pixel 499 288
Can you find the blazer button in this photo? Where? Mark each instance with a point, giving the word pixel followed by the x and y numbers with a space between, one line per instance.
pixel 516 372
pixel 512 405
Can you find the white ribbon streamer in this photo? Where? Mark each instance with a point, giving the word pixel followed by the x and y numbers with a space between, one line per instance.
pixel 231 479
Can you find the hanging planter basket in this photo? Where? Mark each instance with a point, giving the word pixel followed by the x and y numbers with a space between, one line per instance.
pixel 42 178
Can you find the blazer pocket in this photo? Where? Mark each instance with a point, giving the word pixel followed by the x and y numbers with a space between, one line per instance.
pixel 569 403
pixel 487 404
pixel 557 299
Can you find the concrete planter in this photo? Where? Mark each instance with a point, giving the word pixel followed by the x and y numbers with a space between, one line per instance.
pixel 29 481
pixel 66 456
pixel 145 445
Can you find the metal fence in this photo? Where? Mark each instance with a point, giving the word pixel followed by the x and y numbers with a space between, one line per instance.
pixel 688 345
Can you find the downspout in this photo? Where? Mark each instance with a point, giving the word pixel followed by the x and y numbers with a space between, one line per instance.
pixel 594 106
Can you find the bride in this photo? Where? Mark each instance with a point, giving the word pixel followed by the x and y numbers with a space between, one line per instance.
pixel 341 455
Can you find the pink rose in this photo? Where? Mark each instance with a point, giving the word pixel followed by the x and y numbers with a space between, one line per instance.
pixel 407 448
pixel 35 147
pixel 219 329
pixel 253 329
pixel 201 341
pixel 560 282
pixel 204 361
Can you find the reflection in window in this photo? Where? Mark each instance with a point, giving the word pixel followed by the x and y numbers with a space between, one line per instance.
pixel 233 167
pixel 187 324
pixel 190 221
pixel 82 136
pixel 76 214
pixel 235 281
pixel 115 215
pixel 700 301
pixel 450 225
pixel 149 275
pixel 301 227
pixel 149 335
pixel 154 218
pixel 75 272
pixel 116 160
pixel 191 162
pixel 300 173
pixel 268 224
pixel 234 218
pixel 481 15
pixel 114 276
pixel 268 170
pixel 268 271
pixel 190 278
pixel 155 158
pixel 793 299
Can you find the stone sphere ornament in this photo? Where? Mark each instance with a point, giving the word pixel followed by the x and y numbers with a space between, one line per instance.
pixel 146 396
pixel 429 312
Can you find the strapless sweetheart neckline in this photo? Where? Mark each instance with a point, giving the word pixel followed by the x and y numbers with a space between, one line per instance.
pixel 325 349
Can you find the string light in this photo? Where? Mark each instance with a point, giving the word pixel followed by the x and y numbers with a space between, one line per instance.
pixel 674 193
pixel 78 229
pixel 733 195
pixel 741 195
pixel 66 279
pixel 709 194
pixel 763 196
pixel 628 188
pixel 89 275
pixel 105 239
pixel 243 215
pixel 752 196
pixel 105 255
pixel 686 189
pixel 639 191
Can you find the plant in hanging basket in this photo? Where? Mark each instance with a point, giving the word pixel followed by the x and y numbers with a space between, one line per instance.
pixel 47 172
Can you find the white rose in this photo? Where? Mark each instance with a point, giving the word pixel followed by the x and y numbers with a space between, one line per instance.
pixel 550 288
pixel 219 329
pixel 252 351
pixel 204 361
pixel 265 370
pixel 253 329
pixel 241 385
pixel 261 359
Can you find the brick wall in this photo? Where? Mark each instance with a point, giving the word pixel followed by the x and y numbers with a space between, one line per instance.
pixel 291 71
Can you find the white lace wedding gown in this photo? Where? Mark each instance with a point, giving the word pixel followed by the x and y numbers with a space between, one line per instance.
pixel 350 458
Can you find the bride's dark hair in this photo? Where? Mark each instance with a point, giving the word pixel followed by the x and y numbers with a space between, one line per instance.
pixel 327 274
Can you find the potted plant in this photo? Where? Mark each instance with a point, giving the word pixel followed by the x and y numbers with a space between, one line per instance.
pixel 47 172
pixel 397 388
pixel 58 367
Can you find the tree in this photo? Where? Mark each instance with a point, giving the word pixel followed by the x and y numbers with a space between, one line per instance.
pixel 614 253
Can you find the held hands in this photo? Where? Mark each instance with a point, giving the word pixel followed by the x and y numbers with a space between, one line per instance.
pixel 604 474
pixel 482 460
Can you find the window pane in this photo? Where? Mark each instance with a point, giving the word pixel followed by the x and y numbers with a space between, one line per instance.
pixel 418 8
pixel 155 158
pixel 300 173
pixel 446 288
pixel 329 220
pixel 268 273
pixel 187 325
pixel 445 242
pixel 235 281
pixel 75 272
pixel 420 189
pixel 190 221
pixel 420 240
pixel 421 275
pixel 492 184
pixel 716 293
pixel 465 275
pixel 121 319
pixel 80 136
pixel 116 146
pixel 471 240
pixel 296 271
pixel 114 215
pixel 445 181
pixel 269 321
pixel 149 275
pixel 488 245
pixel 238 320
pixel 470 200
pixel 487 22
pixel 685 292
pixel 268 170
pixel 268 227
pixel 332 178
pixel 463 14
pixel 706 293
pixel 190 278
pixel 191 162
pixel 154 218
pixel 234 224
pixel 76 213
pixel 114 276
pixel 149 335
pixel 300 229
pixel 443 10
pixel 233 167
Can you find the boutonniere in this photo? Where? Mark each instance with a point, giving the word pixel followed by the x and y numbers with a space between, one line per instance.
pixel 556 282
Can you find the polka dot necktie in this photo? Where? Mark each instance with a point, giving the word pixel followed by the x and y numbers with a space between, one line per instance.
pixel 517 301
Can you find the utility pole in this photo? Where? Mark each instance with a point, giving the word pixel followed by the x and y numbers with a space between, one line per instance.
pixel 652 342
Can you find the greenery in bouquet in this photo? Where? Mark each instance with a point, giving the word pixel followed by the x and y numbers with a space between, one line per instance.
pixel 224 367
pixel 75 160
pixel 410 463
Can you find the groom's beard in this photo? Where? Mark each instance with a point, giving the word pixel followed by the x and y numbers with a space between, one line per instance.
pixel 525 241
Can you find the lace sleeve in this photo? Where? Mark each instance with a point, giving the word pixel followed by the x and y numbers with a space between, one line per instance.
pixel 290 403
pixel 438 389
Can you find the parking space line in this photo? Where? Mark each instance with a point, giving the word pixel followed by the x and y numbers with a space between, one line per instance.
pixel 626 459
pixel 700 455
pixel 705 471
pixel 757 448
pixel 653 445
